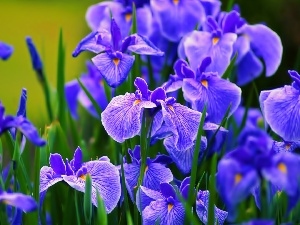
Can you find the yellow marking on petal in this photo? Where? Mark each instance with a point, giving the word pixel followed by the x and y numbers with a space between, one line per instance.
pixel 176 2
pixel 282 168
pixel 135 187
pixel 146 169
pixel 136 102
pixel 170 206
pixel 171 108
pixel 83 177
pixel 204 83
pixel 237 178
pixel 128 17
pixel 116 61
pixel 288 146
pixel 215 40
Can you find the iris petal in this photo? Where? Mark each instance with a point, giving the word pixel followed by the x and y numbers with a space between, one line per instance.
pixel 114 72
pixel 5 51
pixel 122 117
pixel 18 200
pixel 282 112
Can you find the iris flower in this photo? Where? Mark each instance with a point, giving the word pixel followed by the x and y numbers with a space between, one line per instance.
pixel 112 61
pixel 104 175
pixel 155 172
pixel 163 206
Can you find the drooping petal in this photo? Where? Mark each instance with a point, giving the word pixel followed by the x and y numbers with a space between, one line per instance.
pixel 177 19
pixel 282 112
pixel 155 174
pixel 184 123
pixel 48 178
pixel 215 144
pixel 122 117
pixel 19 200
pixel 200 44
pixel 105 180
pixel 141 45
pixel 96 41
pixel 5 51
pixel 183 158
pixel 113 70
pixel 266 44
pixel 218 94
pixel 249 68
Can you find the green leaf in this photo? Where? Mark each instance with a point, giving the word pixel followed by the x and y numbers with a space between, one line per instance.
pixel 101 212
pixel 61 82
pixel 229 5
pixel 87 201
pixel 229 70
pixel 212 191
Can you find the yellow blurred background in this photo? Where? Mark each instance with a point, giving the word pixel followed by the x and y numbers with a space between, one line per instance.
pixel 42 20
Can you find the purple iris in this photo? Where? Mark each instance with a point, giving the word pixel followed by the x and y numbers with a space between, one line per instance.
pixel 177 17
pixel 112 62
pixel 281 108
pixel 200 88
pixel 104 175
pixel 36 61
pixel 93 82
pixel 20 122
pixel 24 202
pixel 163 206
pixel 98 16
pixel 155 172
pixel 216 42
pixel 285 146
pixel 259 222
pixel 202 203
pixel 5 51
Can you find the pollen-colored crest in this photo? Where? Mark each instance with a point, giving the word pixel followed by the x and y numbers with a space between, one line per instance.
pixel 116 61
pixel 237 178
pixel 282 168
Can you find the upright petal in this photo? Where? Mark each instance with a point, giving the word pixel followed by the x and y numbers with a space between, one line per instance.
pixel 72 89
pixel 282 112
pixel 218 94
pixel 5 50
pixel 113 70
pixel 122 117
pixel 96 41
pixel 57 164
pixel 266 44
pixel 115 35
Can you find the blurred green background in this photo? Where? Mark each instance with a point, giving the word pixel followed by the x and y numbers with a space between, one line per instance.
pixel 43 19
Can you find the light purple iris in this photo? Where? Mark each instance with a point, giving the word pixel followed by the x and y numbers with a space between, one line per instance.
pixel 163 206
pixel 156 171
pixel 105 177
pixel 112 61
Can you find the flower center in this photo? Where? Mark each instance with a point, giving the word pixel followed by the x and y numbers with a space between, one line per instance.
pixel 136 102
pixel 282 168
pixel 128 17
pixel 170 206
pixel 215 40
pixel 237 178
pixel 176 2
pixel 83 177
pixel 116 61
pixel 204 83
